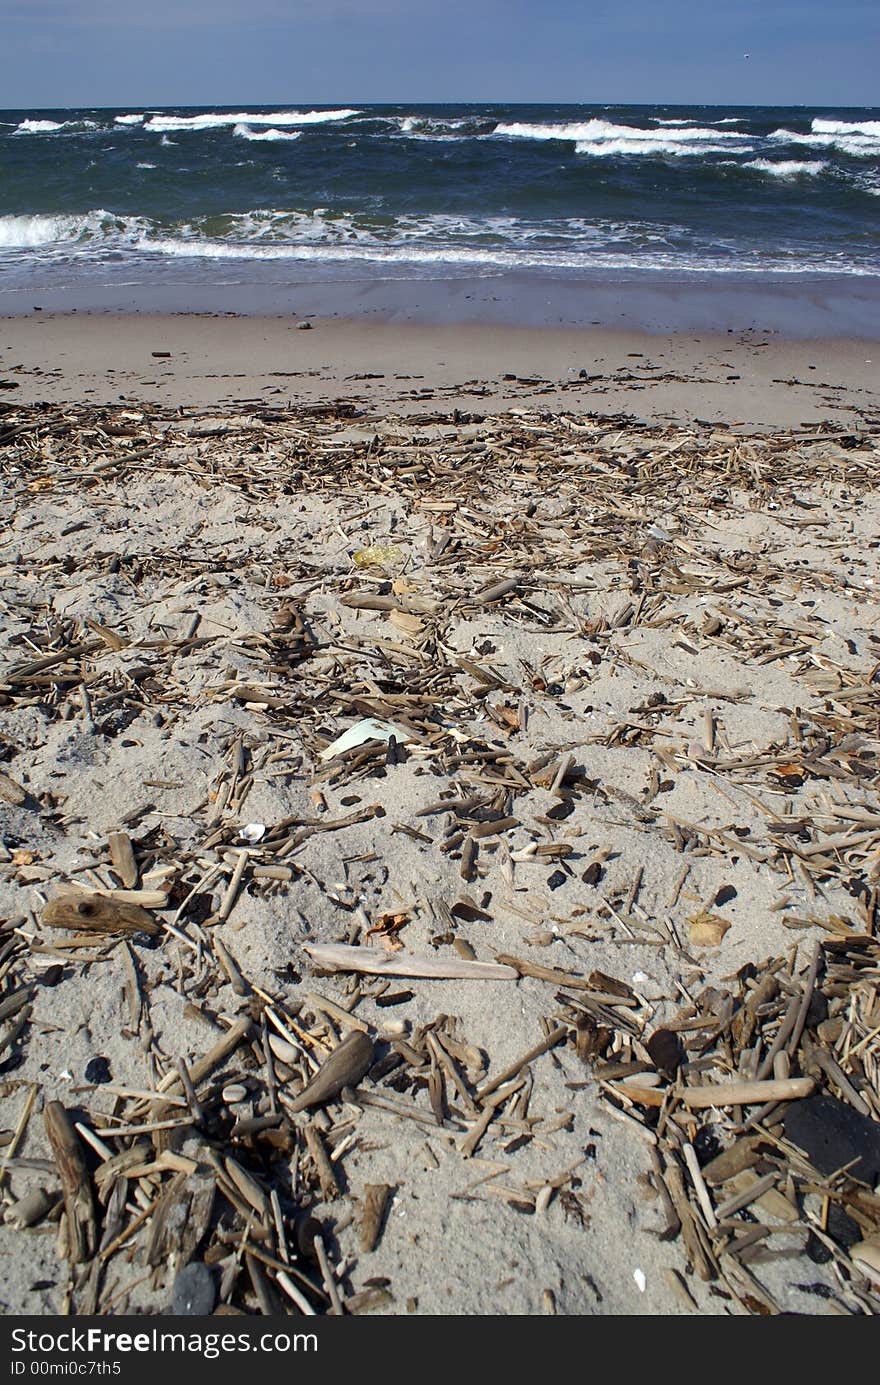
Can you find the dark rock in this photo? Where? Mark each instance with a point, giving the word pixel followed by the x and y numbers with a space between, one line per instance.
pixel 817 1251
pixel 665 1048
pixel 193 1294
pixel 98 1071
pixel 832 1134
pixel 844 1230
pixel 593 874
pixel 558 878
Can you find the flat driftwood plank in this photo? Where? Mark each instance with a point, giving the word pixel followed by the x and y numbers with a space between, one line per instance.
pixel 343 957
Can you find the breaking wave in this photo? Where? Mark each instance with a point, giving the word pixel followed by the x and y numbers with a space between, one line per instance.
pixel 787 168
pixel 216 120
pixel 244 132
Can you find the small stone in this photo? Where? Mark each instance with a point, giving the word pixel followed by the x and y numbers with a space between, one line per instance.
pixel 98 1071
pixel 558 878
pixel 193 1294
pixel 304 326
pixel 235 1091
pixel 665 1049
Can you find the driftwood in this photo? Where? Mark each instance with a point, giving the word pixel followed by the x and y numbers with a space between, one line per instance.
pixel 76 1185
pixel 342 957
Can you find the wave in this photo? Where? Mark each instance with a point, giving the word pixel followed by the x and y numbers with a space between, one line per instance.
pixel 786 168
pixel 489 245
pixel 604 138
pixel 40 231
pixel 728 120
pixel 243 132
pixel 216 120
pixel 433 127
pixel 645 148
pixel 51 127
pixel 858 146
pixel 40 127
pixel 843 127
pixel 127 119
pixel 497 259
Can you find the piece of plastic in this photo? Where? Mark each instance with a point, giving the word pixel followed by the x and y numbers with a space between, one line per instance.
pixel 370 729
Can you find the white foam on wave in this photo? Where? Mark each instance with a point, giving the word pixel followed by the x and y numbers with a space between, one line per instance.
pixel 497 259
pixel 39 127
pixel 787 168
pixel 859 146
pixel 604 149
pixel 128 119
pixel 52 127
pixel 603 137
pixel 24 231
pixel 216 120
pixel 438 128
pixel 843 127
pixel 487 245
pixel 41 230
pixel 243 132
pixel 728 120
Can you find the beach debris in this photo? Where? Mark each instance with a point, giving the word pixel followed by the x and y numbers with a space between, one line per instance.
pixel 370 729
pixel 706 929
pixel 80 1232
pixel 253 833
pixel 378 555
pixel 345 1067
pixel 84 912
pixel 123 858
pixel 164 680
pixel 343 957
pixel 772 1144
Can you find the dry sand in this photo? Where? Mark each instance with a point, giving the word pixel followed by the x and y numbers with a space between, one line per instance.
pixel 694 609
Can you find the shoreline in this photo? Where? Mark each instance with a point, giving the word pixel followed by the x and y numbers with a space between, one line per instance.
pixel 745 379
pixel 797 307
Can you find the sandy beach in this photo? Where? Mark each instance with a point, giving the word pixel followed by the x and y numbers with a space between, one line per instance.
pixel 606 601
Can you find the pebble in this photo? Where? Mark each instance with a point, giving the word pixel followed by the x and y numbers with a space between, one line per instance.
pixel 665 1049
pixel 236 1091
pixel 193 1294
pixel 98 1071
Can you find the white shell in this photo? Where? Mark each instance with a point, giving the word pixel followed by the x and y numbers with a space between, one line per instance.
pixel 253 833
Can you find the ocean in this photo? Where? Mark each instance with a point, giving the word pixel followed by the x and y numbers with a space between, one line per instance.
pixel 92 200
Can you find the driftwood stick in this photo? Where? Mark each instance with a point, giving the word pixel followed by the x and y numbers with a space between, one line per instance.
pixel 79 1205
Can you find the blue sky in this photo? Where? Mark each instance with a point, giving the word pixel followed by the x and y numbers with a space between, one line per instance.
pixel 230 52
